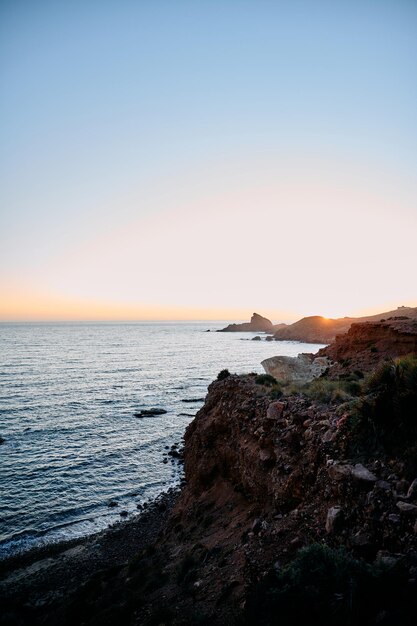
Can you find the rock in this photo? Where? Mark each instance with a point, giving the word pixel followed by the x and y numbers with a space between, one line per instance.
pixel 275 410
pixel 303 368
pixel 383 485
pixel 190 400
pixel 338 472
pixel 386 559
pixel 257 324
pixel 257 338
pixel 412 491
pixel 329 436
pixel 176 454
pixel 257 526
pixel 267 456
pixel 394 519
pixel 362 543
pixel 361 473
pixel 407 508
pixel 2 440
pixel 333 519
pixel 150 412
pixel 401 486
pixel 113 503
pixel 297 542
pixel 124 513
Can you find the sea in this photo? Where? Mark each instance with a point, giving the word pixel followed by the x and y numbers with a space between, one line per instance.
pixel 68 397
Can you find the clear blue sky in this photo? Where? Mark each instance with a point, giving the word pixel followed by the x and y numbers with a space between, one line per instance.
pixel 105 103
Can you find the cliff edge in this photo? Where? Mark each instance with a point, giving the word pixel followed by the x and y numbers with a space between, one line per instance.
pixel 298 502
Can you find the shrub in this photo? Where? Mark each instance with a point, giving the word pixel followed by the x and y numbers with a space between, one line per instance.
pixel 276 392
pixel 266 379
pixel 326 390
pixel 323 586
pixel 223 374
pixel 386 416
pixel 392 402
pixel 380 377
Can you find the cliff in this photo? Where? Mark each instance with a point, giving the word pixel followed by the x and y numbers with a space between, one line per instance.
pixel 370 343
pixel 298 504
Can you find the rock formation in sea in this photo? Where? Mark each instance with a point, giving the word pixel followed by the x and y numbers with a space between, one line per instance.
pixel 257 324
pixel 299 504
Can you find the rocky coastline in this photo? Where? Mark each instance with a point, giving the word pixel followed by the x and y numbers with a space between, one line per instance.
pixel 299 501
pixel 315 328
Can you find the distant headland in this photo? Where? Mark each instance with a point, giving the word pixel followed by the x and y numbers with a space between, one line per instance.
pixel 315 328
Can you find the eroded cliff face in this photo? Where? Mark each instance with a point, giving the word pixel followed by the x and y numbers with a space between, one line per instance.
pixel 267 477
pixel 368 344
pixel 244 438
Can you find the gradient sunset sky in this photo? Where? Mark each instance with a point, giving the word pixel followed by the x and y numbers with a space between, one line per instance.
pixel 205 159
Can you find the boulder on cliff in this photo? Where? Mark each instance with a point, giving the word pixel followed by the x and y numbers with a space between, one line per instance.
pixel 301 369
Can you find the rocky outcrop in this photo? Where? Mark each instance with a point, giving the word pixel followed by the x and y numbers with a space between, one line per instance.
pixel 317 329
pixel 370 343
pixel 301 369
pixel 257 324
pixel 313 329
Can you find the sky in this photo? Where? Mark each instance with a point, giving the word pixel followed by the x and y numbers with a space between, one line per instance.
pixel 207 159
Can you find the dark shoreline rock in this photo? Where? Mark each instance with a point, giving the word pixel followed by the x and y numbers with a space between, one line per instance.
pixel 150 412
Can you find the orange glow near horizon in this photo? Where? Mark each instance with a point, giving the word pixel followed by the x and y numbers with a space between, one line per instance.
pixel 35 307
pixel 20 307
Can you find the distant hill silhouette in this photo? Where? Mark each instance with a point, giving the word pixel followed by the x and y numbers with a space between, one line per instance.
pixel 315 328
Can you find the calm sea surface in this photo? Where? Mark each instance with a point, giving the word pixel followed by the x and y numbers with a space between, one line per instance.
pixel 68 393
